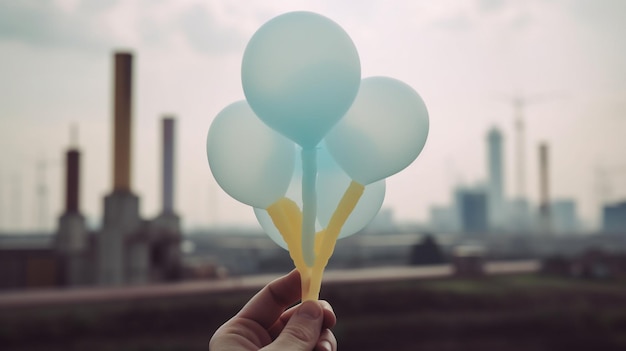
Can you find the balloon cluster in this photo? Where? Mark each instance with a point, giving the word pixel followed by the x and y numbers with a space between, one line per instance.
pixel 310 147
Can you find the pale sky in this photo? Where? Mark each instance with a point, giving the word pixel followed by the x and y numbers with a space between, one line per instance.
pixel 462 57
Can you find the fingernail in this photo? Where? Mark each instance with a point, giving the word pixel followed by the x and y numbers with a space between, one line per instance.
pixel 325 345
pixel 310 310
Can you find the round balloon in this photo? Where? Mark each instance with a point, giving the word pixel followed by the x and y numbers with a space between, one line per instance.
pixel 269 228
pixel 332 182
pixel 382 133
pixel 300 74
pixel 249 160
pixel 294 192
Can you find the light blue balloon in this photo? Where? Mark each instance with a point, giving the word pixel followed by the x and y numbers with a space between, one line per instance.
pixel 382 133
pixel 300 74
pixel 269 228
pixel 332 182
pixel 249 160
pixel 294 192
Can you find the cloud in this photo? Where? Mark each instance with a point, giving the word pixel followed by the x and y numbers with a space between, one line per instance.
pixel 98 25
pixel 43 23
pixel 490 5
pixel 205 34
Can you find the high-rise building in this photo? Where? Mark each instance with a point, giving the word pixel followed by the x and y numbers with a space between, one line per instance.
pixel 495 186
pixel 564 217
pixel 614 218
pixel 472 207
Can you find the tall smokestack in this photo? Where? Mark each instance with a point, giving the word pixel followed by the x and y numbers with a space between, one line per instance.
pixel 122 121
pixel 122 253
pixel 168 164
pixel 72 181
pixel 544 190
pixel 72 174
pixel 71 239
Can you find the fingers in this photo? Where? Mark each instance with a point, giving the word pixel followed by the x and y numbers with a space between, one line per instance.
pixel 329 319
pixel 269 303
pixel 326 342
pixel 302 332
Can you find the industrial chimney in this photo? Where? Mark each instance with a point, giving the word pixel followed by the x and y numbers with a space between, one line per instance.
pixel 122 258
pixel 166 227
pixel 122 121
pixel 168 165
pixel 71 238
pixel 72 176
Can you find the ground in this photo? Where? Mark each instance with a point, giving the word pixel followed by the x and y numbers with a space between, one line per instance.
pixel 518 312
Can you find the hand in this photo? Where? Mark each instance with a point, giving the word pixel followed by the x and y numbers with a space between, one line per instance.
pixel 266 323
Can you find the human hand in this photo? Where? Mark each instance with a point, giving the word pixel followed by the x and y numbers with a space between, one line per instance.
pixel 266 323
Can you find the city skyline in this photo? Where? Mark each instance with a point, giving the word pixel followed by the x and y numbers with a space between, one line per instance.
pixel 463 58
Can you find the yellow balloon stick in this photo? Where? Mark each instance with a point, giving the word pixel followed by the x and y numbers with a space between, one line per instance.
pixel 329 237
pixel 287 218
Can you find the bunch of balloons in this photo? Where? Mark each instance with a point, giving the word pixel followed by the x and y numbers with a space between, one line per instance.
pixel 310 147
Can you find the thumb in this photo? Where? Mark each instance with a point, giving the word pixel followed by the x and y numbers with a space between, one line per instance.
pixel 303 329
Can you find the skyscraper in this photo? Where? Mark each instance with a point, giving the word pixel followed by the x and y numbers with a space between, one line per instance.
pixel 614 218
pixel 472 207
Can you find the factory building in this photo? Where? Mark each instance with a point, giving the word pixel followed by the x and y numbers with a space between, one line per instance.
pixel 127 249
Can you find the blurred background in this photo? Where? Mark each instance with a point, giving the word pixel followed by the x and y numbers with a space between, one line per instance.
pixel 508 232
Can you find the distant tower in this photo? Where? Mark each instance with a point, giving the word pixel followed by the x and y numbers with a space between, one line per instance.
pixel 166 235
pixel 495 187
pixel 122 257
pixel 544 190
pixel 520 133
pixel 168 164
pixel 71 239
pixel 122 122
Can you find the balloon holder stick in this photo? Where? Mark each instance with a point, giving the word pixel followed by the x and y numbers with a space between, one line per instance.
pixel 288 220
pixel 309 204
